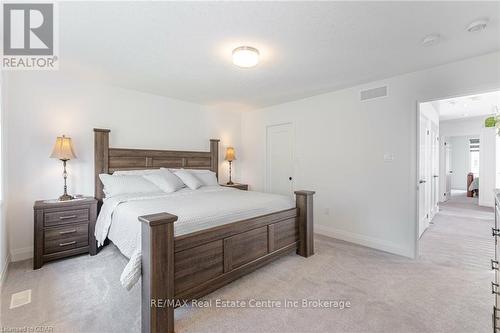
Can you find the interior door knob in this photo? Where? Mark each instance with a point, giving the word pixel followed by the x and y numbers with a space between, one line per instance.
pixel 289 178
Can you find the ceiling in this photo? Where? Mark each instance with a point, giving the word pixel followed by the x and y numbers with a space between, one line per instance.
pixel 468 106
pixel 183 49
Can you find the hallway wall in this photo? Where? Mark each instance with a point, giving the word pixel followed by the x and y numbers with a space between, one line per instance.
pixel 460 163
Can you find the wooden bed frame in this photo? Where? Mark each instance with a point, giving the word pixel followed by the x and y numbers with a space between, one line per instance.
pixel 193 265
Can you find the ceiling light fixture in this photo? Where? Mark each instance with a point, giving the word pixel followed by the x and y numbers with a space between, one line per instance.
pixel 245 56
pixel 430 40
pixel 478 25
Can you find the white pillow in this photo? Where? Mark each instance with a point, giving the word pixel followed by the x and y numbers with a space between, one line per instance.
pixel 189 179
pixel 135 172
pixel 120 184
pixel 207 177
pixel 165 180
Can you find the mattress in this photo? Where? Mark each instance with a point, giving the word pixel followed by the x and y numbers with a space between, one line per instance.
pixel 200 209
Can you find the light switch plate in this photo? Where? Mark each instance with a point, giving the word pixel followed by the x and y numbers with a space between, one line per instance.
pixel 388 157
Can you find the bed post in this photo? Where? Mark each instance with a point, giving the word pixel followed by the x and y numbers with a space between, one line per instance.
pixel 157 295
pixel 101 160
pixel 304 202
pixel 214 156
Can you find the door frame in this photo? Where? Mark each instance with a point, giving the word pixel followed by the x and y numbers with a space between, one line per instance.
pixel 414 180
pixel 266 158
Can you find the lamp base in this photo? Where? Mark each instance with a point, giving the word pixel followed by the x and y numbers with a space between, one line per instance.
pixel 66 197
pixel 230 183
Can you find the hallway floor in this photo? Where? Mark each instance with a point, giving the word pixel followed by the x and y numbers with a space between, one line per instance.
pixel 447 289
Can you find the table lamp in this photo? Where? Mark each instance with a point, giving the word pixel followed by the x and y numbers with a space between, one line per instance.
pixel 230 157
pixel 63 150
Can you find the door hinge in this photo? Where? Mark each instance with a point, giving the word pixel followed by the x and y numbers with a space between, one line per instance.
pixel 495 232
pixel 494 288
pixel 494 265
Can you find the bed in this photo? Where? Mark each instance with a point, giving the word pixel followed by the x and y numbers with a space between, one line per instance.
pixel 189 243
pixel 474 187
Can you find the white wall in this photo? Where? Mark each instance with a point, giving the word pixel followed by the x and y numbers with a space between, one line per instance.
pixel 470 126
pixel 497 166
pixel 487 167
pixel 460 161
pixel 341 142
pixel 462 127
pixel 41 106
pixel 4 251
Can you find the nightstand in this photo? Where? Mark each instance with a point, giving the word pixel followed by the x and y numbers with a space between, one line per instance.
pixel 63 229
pixel 243 187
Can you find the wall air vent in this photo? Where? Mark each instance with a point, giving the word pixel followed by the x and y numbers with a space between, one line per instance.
pixel 373 93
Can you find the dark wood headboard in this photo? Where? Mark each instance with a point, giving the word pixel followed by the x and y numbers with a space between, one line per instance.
pixel 109 160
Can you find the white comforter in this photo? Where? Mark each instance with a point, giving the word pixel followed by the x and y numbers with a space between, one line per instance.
pixel 199 209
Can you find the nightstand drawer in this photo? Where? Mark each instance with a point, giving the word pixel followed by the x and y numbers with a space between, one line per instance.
pixel 65 232
pixel 67 216
pixel 68 243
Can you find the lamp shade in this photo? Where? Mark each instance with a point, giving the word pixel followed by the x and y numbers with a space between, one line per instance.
pixel 230 154
pixel 63 149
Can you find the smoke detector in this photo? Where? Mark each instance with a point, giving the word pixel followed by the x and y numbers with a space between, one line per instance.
pixel 478 25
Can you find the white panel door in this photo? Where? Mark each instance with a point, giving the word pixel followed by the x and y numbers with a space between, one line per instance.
pixel 423 171
pixel 434 168
pixel 279 159
pixel 448 169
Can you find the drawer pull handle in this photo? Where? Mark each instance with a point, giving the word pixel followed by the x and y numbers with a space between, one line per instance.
pixel 74 230
pixel 67 217
pixel 68 243
pixel 495 232
pixel 494 287
pixel 494 265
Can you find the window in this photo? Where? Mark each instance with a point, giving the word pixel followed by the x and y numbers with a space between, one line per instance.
pixel 474 156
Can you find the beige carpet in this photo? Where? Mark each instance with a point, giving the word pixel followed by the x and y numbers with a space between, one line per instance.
pixel 446 290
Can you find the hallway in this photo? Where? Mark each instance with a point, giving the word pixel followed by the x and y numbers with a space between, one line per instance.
pixel 459 244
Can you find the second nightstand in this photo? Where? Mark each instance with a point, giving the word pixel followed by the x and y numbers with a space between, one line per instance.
pixel 63 228
pixel 243 187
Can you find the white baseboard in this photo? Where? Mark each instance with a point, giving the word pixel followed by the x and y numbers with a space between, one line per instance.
pixel 3 272
pixel 376 243
pixel 21 254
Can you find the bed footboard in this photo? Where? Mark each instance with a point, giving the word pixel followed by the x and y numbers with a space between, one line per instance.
pixel 193 265
pixel 157 241
pixel 304 201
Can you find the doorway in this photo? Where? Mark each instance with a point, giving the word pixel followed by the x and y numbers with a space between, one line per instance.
pixel 279 159
pixel 457 156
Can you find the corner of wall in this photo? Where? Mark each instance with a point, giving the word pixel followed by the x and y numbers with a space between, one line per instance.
pixel 375 243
